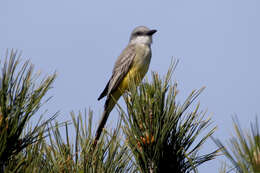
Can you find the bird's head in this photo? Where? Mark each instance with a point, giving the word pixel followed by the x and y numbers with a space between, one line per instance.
pixel 142 35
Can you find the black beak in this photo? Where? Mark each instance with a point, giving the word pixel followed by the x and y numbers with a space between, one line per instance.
pixel 151 32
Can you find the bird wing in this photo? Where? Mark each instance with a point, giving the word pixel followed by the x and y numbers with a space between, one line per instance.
pixel 104 92
pixel 121 68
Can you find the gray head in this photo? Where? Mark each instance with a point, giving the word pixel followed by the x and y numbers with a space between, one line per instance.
pixel 142 35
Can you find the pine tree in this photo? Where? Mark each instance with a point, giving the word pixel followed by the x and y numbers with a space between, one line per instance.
pixel 243 151
pixel 161 133
pixel 154 134
pixel 20 99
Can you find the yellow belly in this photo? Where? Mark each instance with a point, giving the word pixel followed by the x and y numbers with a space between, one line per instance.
pixel 135 74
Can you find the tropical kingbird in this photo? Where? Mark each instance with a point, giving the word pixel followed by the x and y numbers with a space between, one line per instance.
pixel 133 63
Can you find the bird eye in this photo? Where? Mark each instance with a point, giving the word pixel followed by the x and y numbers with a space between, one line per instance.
pixel 138 33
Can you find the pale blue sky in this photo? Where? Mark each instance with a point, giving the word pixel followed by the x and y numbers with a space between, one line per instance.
pixel 216 41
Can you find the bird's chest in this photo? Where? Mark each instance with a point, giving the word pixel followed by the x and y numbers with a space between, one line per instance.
pixel 142 58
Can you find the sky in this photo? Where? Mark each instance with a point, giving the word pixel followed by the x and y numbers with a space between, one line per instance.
pixel 216 42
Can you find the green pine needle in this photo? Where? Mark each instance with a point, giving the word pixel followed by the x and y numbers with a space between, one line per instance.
pixel 162 135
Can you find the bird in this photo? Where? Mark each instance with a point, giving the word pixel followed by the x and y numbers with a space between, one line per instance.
pixel 132 64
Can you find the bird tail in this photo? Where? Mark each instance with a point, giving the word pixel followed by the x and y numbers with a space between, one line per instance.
pixel 109 105
pixel 101 125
